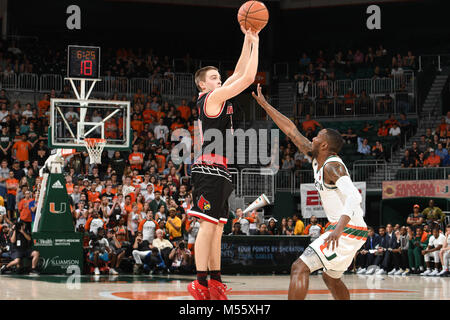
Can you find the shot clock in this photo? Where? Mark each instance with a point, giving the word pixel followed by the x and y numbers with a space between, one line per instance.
pixel 83 62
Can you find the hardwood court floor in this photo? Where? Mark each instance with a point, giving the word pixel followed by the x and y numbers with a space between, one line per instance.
pixel 243 287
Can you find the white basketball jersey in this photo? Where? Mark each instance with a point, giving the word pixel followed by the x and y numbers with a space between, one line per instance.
pixel 333 200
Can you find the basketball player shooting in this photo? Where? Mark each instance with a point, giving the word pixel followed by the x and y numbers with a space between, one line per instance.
pixel 335 248
pixel 210 176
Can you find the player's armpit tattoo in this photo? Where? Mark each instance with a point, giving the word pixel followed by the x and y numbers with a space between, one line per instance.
pixel 333 171
pixel 302 143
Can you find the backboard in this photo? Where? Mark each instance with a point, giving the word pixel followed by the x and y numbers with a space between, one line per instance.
pixel 73 120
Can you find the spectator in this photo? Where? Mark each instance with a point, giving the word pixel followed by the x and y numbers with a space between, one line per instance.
pixel 148 227
pixel 414 150
pixel 366 256
pixel 349 137
pixel 237 230
pixel 444 254
pixel 12 185
pixel 287 227
pixel 4 175
pixel 401 251
pixel 24 210
pixel 272 227
pixel 378 151
pixel 243 221
pixel 433 214
pixel 435 244
pixel 442 127
pixel 181 258
pixel 21 149
pixel 192 227
pixel 417 243
pixel 363 146
pixel 383 131
pixel 415 219
pixel 379 250
pixel 263 231
pixel 173 225
pixel 299 226
pixel 141 250
pixel 349 101
pixel 310 124
pixel 163 245
pixel 390 256
pixel 288 163
pixel 154 262
pixel 395 131
pixel 314 229
pixel 441 152
pixel 5 242
pixel 384 104
pixel 21 247
pixel 407 161
pixel 423 145
pixel 404 124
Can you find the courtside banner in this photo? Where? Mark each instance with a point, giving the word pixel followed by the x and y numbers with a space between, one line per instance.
pixel 416 188
pixel 310 200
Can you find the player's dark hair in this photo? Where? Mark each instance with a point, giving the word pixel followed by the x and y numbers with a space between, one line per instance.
pixel 382 227
pixel 201 74
pixel 335 140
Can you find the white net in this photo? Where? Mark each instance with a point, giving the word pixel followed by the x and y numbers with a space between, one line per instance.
pixel 95 147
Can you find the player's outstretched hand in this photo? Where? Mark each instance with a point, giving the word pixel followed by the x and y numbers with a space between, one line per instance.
pixel 252 36
pixel 260 97
pixel 333 239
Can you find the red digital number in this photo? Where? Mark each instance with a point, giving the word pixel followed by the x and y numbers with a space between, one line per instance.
pixel 86 67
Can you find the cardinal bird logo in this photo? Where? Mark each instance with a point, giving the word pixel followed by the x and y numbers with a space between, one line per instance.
pixel 203 204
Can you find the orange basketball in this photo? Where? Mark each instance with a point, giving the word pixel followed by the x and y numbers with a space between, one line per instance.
pixel 253 15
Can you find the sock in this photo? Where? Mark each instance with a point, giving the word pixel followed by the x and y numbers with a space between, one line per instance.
pixel 215 275
pixel 201 278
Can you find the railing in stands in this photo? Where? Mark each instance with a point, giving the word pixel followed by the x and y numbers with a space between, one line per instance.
pixel 423 173
pixel 31 82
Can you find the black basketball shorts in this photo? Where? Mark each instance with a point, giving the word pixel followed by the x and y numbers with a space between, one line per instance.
pixel 210 197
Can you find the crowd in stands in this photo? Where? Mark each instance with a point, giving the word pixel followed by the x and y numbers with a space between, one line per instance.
pixel 433 148
pixel 374 63
pixel 115 62
pixel 130 195
pixel 420 246
pixel 324 99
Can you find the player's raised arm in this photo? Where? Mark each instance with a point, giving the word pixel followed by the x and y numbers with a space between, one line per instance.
pixel 243 59
pixel 221 94
pixel 283 122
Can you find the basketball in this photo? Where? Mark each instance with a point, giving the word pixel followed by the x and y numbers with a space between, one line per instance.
pixel 253 15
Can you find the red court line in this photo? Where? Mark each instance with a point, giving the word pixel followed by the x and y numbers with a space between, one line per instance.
pixel 163 295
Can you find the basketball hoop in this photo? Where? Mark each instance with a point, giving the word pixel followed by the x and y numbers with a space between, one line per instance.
pixel 95 147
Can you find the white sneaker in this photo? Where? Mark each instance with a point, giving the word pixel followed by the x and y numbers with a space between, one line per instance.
pixel 371 271
pixel 96 271
pixel 361 271
pixel 443 271
pixel 399 272
pixel 426 272
pixel 406 272
pixel 113 271
pixel 434 273
pixel 380 272
pixel 319 272
pixel 421 269
pixel 392 272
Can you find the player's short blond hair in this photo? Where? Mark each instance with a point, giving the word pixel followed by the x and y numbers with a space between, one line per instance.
pixel 200 75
